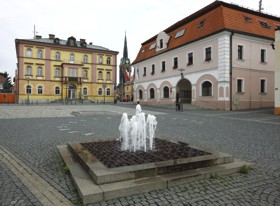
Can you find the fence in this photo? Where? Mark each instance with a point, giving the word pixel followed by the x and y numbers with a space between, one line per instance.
pixel 7 98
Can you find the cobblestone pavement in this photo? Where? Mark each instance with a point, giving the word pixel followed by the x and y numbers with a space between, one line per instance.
pixel 29 135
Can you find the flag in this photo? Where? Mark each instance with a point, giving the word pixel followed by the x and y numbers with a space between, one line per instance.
pixel 127 77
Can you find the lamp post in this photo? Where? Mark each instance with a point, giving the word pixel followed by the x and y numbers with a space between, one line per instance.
pixel 104 86
pixel 181 70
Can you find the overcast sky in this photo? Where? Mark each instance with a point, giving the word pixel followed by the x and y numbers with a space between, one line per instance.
pixel 102 22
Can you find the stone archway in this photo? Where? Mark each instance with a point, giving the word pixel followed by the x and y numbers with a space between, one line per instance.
pixel 184 91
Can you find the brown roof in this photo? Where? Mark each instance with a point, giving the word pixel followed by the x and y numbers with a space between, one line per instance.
pixel 218 16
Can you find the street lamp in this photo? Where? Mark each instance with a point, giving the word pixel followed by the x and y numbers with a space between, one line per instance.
pixel 181 70
pixel 104 86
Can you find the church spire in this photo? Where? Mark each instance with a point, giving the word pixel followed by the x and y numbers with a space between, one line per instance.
pixel 125 52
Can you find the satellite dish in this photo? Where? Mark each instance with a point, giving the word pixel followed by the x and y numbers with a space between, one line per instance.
pixel 236 99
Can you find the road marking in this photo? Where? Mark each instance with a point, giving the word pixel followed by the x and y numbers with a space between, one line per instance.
pixel 73 132
pixel 87 134
pixel 41 189
pixel 64 129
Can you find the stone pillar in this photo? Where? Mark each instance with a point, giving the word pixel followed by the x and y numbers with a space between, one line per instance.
pixel 277 73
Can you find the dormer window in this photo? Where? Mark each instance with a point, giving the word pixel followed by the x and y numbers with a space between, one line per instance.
pixel 247 19
pixel 152 46
pixel 201 24
pixel 162 41
pixel 56 40
pixel 71 41
pixel 180 33
pixel 264 24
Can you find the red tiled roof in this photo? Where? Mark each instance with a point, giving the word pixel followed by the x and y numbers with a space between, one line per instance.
pixel 219 16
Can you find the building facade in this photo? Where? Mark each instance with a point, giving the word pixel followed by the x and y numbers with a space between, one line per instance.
pixel 52 69
pixel 220 57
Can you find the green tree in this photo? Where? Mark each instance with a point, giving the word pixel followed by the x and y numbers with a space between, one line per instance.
pixel 8 82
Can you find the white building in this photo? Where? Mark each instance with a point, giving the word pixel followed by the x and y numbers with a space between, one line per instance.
pixel 220 57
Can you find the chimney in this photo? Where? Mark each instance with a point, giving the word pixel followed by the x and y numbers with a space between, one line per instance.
pixel 38 37
pixel 51 36
pixel 82 40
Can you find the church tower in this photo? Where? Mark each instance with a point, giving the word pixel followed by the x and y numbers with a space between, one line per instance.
pixel 125 70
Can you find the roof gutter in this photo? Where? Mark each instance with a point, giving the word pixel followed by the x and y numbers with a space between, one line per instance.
pixel 230 70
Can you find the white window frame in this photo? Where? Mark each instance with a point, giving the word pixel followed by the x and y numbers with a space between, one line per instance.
pixel 57 56
pixel 85 91
pixel 204 53
pixel 200 92
pixel 243 52
pixel 100 91
pixel 40 54
pixel 57 72
pixel 39 71
pixel 41 88
pixel 72 58
pixel 190 52
pixel 29 53
pixel 57 88
pixel 73 72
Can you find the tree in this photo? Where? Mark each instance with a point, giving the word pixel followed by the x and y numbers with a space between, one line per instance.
pixel 8 83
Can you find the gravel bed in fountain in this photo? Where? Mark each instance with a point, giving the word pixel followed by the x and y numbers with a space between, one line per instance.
pixel 111 155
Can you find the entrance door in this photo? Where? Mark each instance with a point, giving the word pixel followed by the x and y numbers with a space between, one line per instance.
pixel 71 91
pixel 184 88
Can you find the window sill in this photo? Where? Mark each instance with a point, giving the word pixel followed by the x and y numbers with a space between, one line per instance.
pixel 175 67
pixel 240 60
pixel 263 93
pixel 264 63
pixel 207 60
pixel 189 64
pixel 240 93
pixel 162 70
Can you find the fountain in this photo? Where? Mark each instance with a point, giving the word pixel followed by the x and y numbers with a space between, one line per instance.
pixel 138 162
pixel 137 133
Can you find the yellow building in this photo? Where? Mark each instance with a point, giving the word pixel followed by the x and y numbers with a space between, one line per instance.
pixel 52 69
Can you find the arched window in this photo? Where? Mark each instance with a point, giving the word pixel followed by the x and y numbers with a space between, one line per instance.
pixel 72 58
pixel 28 89
pixel 57 90
pixel 108 60
pixel 108 91
pixel 85 74
pixel 85 59
pixel 166 92
pixel 100 91
pixel 152 93
pixel 100 60
pixel 28 70
pixel 39 71
pixel 40 54
pixel 85 91
pixel 108 76
pixel 28 53
pixel 100 75
pixel 206 88
pixel 57 56
pixel 140 94
pixel 57 72
pixel 40 90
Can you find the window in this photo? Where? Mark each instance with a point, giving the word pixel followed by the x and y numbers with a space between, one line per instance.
pixel 28 70
pixel 152 46
pixel 40 54
pixel 100 60
pixel 28 89
pixel 108 60
pixel 152 93
pixel 247 19
pixel 85 59
pixel 85 73
pixel 108 76
pixel 153 69
pixel 206 88
pixel 263 55
pixel 57 56
pixel 57 72
pixel 175 62
pixel 264 24
pixel 40 90
pixel 166 92
pixel 161 43
pixel 100 75
pixel 263 86
pixel 100 91
pixel 140 94
pixel 240 52
pixel 144 74
pixel 108 91
pixel 57 90
pixel 180 33
pixel 85 91
pixel 208 54
pixel 72 58
pixel 201 24
pixel 73 72
pixel 240 85
pixel 163 66
pixel 39 71
pixel 190 58
pixel 29 53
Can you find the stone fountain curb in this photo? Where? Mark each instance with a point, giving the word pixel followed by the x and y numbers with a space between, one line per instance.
pixel 90 192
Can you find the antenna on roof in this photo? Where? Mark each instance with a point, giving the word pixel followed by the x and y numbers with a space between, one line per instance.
pixel 260 6
pixel 34 33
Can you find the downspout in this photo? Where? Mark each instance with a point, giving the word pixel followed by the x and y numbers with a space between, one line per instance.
pixel 230 71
